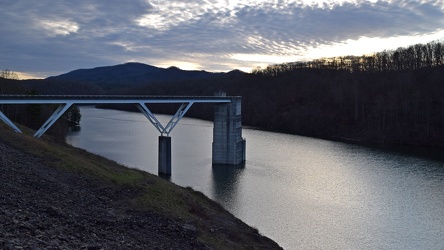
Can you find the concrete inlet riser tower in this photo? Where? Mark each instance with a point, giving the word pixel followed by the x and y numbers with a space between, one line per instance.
pixel 228 145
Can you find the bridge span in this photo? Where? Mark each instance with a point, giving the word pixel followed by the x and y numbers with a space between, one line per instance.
pixel 228 145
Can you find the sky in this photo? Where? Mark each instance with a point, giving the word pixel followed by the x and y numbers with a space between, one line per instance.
pixel 46 37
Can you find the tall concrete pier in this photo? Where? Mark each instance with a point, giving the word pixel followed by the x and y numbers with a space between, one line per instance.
pixel 164 161
pixel 228 145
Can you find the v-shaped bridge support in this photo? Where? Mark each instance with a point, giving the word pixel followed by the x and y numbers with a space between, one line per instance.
pixel 164 161
pixel 164 130
pixel 53 118
pixel 6 120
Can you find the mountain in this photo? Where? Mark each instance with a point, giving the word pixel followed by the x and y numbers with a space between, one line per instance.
pixel 133 74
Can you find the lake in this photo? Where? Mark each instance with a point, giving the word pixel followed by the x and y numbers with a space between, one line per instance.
pixel 303 193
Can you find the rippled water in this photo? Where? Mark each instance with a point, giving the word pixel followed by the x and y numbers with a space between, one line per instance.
pixel 304 193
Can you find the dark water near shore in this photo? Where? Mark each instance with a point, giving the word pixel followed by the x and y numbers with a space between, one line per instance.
pixel 304 193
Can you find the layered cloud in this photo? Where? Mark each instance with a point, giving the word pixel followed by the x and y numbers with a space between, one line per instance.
pixel 52 37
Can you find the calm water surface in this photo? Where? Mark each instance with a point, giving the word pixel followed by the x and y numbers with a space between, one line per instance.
pixel 304 193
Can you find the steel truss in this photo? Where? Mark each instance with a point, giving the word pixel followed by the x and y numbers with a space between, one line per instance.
pixel 171 124
pixel 66 102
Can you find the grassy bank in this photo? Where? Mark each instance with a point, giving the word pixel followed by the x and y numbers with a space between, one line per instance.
pixel 213 225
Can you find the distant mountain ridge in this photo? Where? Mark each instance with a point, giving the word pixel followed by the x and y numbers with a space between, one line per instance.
pixel 134 73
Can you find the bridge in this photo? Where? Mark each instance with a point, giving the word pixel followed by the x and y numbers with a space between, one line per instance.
pixel 228 145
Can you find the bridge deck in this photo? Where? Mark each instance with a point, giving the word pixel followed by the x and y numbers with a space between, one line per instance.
pixel 103 99
pixel 66 101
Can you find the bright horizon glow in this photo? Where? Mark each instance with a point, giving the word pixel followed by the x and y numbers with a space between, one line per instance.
pixel 366 45
pixel 248 62
pixel 30 75
pixel 362 46
pixel 180 64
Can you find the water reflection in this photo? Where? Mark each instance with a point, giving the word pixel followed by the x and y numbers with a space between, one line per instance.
pixel 225 182
pixel 304 193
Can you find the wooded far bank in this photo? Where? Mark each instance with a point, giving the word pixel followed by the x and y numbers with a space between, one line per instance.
pixel 391 97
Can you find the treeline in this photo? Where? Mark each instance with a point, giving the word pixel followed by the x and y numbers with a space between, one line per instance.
pixel 414 57
pixel 397 103
pixel 380 107
pixel 392 97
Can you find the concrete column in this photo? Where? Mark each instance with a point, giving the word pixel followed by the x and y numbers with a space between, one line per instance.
pixel 164 155
pixel 228 144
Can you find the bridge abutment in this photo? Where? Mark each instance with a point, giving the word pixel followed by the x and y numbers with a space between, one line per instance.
pixel 228 145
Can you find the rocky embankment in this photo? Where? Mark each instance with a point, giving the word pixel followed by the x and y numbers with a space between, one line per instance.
pixel 45 208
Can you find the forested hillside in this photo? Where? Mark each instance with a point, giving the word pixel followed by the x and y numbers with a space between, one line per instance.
pixel 131 74
pixel 388 97
pixel 393 96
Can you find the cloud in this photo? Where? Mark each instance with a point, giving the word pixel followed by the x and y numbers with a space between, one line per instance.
pixel 58 36
pixel 308 25
pixel 59 27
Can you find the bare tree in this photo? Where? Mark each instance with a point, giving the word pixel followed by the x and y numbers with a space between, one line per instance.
pixel 8 74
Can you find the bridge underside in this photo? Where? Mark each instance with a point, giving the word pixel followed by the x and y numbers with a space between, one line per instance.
pixel 228 144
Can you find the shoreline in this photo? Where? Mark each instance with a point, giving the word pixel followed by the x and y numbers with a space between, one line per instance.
pixel 434 152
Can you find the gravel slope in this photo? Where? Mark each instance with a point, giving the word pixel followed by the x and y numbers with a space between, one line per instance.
pixel 45 208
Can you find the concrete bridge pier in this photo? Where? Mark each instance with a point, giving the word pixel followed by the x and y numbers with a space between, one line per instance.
pixel 164 155
pixel 228 145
